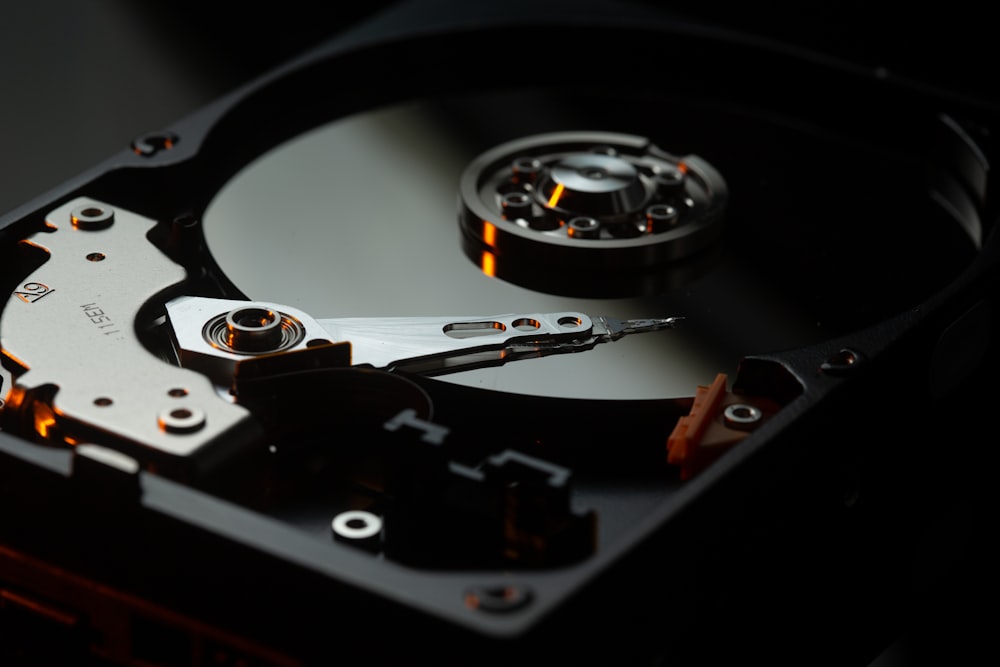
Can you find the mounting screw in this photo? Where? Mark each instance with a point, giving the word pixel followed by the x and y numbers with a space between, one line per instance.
pixel 742 416
pixel 182 420
pixel 358 527
pixel 92 217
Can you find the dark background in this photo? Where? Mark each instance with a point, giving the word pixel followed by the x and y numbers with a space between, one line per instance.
pixel 79 80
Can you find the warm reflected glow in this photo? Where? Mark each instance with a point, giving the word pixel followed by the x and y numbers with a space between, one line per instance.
pixel 489 264
pixel 28 243
pixel 38 608
pixel 681 167
pixel 12 358
pixel 44 421
pixel 489 234
pixel 556 194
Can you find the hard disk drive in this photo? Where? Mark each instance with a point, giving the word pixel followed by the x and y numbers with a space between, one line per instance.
pixel 494 337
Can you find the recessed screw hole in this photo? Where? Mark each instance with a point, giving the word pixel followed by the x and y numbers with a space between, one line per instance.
pixel 497 599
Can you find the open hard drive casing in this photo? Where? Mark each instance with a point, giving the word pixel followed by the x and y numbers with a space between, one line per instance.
pixel 519 527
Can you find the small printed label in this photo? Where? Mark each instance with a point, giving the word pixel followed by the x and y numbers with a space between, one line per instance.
pixel 98 317
pixel 32 292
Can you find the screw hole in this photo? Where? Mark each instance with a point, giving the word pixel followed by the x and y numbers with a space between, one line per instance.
pixel 497 599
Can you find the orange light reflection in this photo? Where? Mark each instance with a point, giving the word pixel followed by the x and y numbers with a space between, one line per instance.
pixel 489 234
pixel 556 194
pixel 489 264
pixel 12 358
pixel 43 422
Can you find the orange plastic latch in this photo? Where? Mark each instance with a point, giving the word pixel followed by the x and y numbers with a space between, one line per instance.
pixel 699 438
